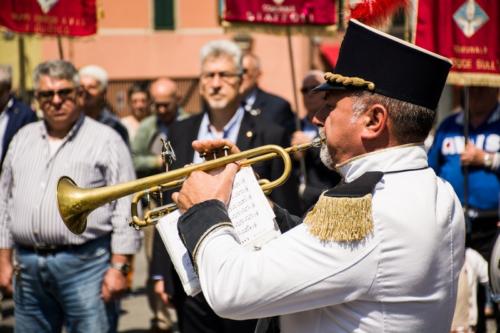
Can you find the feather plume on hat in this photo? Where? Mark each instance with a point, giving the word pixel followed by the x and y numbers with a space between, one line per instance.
pixel 376 12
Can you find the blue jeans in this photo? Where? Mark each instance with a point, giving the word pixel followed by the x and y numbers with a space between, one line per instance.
pixel 64 288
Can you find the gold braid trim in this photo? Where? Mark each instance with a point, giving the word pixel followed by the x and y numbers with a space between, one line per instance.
pixel 474 79
pixel 307 30
pixel 341 219
pixel 349 81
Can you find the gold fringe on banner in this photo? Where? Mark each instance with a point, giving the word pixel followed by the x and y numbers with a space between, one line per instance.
pixel 308 30
pixel 474 79
pixel 341 219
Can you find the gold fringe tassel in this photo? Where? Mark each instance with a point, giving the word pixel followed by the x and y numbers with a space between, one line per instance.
pixel 341 219
pixel 474 79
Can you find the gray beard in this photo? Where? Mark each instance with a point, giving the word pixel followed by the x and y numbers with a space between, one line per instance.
pixel 326 158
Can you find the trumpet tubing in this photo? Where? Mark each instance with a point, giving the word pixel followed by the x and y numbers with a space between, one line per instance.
pixel 75 203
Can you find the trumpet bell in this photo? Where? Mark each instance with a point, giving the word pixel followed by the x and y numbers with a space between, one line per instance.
pixel 73 214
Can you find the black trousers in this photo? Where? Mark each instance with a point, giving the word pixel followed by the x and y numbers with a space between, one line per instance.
pixel 198 317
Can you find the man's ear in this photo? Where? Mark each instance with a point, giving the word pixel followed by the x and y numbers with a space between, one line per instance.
pixel 374 121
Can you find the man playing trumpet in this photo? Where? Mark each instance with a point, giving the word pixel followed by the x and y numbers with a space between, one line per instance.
pixel 380 251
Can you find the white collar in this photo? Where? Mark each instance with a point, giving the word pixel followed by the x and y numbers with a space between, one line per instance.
pixel 403 157
pixel 250 99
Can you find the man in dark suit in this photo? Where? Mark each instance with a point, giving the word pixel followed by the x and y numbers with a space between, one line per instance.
pixel 14 114
pixel 224 117
pixel 261 103
pixel 318 177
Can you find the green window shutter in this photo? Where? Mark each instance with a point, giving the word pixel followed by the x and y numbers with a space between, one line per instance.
pixel 164 15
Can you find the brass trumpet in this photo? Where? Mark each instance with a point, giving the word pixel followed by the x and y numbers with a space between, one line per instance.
pixel 75 203
pixel 153 215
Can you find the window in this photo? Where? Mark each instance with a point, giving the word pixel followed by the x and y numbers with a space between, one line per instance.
pixel 164 15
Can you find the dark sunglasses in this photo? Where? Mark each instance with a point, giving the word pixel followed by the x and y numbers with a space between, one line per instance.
pixel 49 94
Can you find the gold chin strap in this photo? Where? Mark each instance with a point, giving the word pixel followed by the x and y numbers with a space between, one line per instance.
pixel 349 81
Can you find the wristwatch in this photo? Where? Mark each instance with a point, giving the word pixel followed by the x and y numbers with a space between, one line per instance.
pixel 488 160
pixel 123 267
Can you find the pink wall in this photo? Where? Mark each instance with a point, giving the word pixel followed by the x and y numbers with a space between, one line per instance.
pixel 128 47
pixel 125 14
pixel 197 14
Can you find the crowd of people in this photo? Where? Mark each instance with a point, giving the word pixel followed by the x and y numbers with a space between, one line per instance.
pixel 372 239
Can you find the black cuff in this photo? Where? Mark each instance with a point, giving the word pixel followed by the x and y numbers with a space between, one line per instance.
pixel 199 221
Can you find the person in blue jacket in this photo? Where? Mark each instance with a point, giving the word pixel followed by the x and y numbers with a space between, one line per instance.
pixel 14 114
pixel 449 154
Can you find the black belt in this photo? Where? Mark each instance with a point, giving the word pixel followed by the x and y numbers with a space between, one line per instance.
pixel 48 249
pixel 45 250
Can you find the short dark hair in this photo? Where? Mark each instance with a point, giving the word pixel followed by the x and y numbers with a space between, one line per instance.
pixel 138 87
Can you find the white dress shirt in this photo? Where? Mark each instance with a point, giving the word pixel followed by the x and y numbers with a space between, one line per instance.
pixel 401 278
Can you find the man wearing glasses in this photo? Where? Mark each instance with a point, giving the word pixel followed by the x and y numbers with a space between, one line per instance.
pixel 62 278
pixel 224 117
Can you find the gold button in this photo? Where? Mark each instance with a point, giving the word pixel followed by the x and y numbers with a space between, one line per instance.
pixel 249 134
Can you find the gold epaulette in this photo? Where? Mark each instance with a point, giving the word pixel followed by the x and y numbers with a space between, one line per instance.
pixel 344 213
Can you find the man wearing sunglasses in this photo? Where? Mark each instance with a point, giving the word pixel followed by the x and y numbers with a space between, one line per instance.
pixel 62 278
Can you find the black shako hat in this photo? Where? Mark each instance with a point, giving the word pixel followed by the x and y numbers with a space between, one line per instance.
pixel 375 61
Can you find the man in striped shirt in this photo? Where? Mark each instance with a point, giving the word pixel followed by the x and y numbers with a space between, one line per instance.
pixel 62 278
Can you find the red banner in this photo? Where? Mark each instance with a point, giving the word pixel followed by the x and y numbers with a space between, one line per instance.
pixel 50 17
pixel 468 32
pixel 280 12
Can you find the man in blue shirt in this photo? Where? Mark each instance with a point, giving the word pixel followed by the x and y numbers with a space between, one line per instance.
pixel 481 155
pixel 449 154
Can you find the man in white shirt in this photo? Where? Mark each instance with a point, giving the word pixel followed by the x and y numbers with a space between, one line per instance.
pixel 380 252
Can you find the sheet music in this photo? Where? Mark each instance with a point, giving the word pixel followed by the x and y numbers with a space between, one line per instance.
pixel 250 213
pixel 167 228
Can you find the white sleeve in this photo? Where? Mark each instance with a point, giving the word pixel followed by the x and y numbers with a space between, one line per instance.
pixel 478 265
pixel 295 272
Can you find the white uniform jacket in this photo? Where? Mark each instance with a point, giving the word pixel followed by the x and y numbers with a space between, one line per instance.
pixel 401 278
